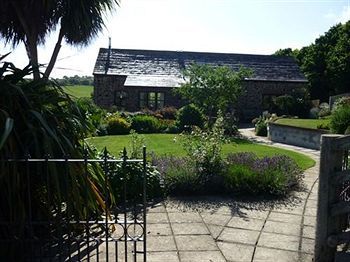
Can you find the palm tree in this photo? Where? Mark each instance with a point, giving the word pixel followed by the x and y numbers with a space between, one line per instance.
pixel 30 22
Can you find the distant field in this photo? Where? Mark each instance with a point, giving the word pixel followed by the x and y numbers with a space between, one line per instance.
pixel 79 91
pixel 306 123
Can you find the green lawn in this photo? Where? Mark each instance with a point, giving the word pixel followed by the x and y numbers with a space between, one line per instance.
pixel 169 144
pixel 79 90
pixel 307 123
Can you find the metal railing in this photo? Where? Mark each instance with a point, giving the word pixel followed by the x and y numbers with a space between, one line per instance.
pixel 116 233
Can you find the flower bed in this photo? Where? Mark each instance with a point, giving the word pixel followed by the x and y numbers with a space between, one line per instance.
pixel 242 173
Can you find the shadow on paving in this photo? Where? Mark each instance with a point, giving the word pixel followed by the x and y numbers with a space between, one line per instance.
pixel 234 204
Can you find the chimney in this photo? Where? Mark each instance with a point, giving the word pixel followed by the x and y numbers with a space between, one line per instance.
pixel 108 55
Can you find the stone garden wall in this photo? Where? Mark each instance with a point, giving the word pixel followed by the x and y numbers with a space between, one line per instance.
pixel 297 136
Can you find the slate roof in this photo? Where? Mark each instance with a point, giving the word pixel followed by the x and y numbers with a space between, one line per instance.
pixel 163 68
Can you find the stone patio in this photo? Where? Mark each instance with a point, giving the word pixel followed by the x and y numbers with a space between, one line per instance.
pixel 229 229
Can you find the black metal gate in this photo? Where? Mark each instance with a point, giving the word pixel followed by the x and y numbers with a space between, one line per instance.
pixel 117 233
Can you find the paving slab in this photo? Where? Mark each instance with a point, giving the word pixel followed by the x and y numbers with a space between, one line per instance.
pixel 282 228
pixel 310 221
pixel 196 243
pixel 201 256
pixel 184 217
pixel 236 252
pixel 157 218
pixel 239 236
pixel 307 245
pixel 215 231
pixel 216 218
pixel 279 241
pixel 162 257
pixel 159 229
pixel 263 254
pixel 309 232
pixel 287 218
pixel 161 243
pixel 190 229
pixel 246 223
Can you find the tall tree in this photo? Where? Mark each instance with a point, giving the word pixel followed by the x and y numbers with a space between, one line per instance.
pixel 212 88
pixel 326 62
pixel 30 22
pixel 287 52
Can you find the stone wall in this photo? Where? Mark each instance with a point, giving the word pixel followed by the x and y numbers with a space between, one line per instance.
pixel 297 136
pixel 250 102
pixel 107 86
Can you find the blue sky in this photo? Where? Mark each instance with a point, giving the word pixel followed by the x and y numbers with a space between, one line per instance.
pixel 237 26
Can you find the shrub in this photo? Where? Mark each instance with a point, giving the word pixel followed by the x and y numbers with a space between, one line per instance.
pixel 92 113
pixel 168 112
pixel 190 115
pixel 117 126
pixel 179 175
pixel 38 119
pixel 340 119
pixel 261 126
pixel 274 175
pixel 324 112
pixel 284 104
pixel 132 174
pixel 345 100
pixel 137 143
pixel 230 125
pixel 145 124
pixel 204 148
pixel 169 126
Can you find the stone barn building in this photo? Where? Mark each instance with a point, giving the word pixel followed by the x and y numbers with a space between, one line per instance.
pixel 137 79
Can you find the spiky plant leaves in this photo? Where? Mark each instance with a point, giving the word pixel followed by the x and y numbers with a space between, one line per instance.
pixel 39 120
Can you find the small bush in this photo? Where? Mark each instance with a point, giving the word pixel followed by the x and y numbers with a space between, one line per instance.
pixel 117 126
pixel 345 100
pixel 145 124
pixel 178 174
pixel 204 148
pixel 230 125
pixel 136 144
pixel 261 126
pixel 324 112
pixel 274 175
pixel 284 104
pixel 169 126
pixel 168 112
pixel 190 115
pixel 92 113
pixel 131 175
pixel 340 119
